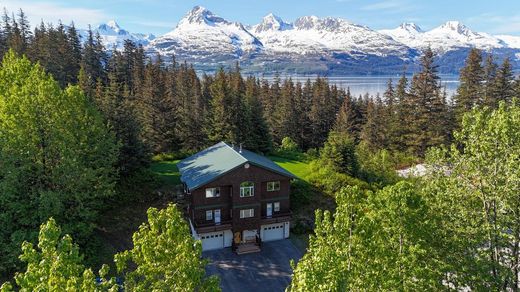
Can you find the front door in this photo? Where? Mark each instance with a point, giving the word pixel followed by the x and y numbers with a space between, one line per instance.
pixel 269 209
pixel 217 216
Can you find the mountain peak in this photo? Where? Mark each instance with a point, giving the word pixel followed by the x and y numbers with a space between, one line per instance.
pixel 410 26
pixel 113 24
pixel 201 15
pixel 111 28
pixel 272 22
pixel 456 26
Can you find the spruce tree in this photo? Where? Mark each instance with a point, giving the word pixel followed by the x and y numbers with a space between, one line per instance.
pixel 219 127
pixel 504 83
pixel 470 91
pixel 259 137
pixel 490 73
pixel 425 89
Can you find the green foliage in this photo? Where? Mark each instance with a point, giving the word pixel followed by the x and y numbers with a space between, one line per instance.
pixel 326 178
pixel 374 241
pixel 301 193
pixel 377 166
pixel 56 157
pixel 475 192
pixel 57 266
pixel 339 152
pixel 288 145
pixel 165 256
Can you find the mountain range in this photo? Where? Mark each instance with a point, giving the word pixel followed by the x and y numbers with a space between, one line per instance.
pixel 311 45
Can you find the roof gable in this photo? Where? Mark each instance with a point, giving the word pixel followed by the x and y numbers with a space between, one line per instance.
pixel 215 161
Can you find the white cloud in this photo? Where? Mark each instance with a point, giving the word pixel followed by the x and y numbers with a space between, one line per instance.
pixel 37 11
pixel 497 24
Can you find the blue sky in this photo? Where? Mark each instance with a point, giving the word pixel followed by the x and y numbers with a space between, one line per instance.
pixel 158 17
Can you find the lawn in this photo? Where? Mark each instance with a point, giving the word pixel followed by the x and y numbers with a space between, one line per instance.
pixel 167 172
pixel 299 168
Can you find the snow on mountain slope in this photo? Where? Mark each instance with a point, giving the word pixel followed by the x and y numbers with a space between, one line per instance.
pixel 114 37
pixel 204 35
pixel 510 41
pixel 449 36
pixel 310 34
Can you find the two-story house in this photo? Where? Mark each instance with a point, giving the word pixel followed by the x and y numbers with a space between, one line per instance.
pixel 236 197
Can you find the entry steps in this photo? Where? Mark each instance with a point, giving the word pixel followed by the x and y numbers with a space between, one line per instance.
pixel 247 248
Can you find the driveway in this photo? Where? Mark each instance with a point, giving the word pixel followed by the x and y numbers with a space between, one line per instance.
pixel 268 270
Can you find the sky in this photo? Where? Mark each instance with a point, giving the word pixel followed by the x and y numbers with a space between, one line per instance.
pixel 159 17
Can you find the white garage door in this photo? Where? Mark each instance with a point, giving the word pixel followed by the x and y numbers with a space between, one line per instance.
pixel 273 232
pixel 214 240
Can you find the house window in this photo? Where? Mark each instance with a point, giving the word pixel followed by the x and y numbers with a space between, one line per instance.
pixel 277 206
pixel 273 186
pixel 212 192
pixel 247 213
pixel 247 189
pixel 209 215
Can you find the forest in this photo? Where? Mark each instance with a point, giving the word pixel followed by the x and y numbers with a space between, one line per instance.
pixel 80 126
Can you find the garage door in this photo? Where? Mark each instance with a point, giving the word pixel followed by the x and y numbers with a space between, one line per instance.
pixel 214 240
pixel 273 232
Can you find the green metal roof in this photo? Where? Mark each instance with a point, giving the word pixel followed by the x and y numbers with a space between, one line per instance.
pixel 213 162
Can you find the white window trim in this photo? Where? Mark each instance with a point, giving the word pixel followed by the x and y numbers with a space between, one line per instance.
pixel 273 184
pixel 251 191
pixel 276 207
pixel 251 213
pixel 209 215
pixel 215 192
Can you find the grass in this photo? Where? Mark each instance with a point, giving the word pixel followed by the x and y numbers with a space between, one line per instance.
pixel 167 172
pixel 299 168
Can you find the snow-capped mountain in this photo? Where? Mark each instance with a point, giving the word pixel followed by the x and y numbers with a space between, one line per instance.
pixel 314 35
pixel 114 37
pixel 449 36
pixel 204 36
pixel 310 44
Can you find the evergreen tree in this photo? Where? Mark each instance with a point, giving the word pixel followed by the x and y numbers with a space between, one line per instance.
pixel 122 119
pixel 470 91
pixel 155 109
pixel 259 137
pixel 374 132
pixel 219 126
pixel 490 73
pixel 425 89
pixel 93 61
pixel 504 83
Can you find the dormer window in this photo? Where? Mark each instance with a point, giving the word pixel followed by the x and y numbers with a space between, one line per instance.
pixel 212 192
pixel 273 186
pixel 247 189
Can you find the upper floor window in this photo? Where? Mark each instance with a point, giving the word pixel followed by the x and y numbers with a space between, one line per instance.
pixel 247 189
pixel 273 186
pixel 209 215
pixel 277 206
pixel 247 213
pixel 212 192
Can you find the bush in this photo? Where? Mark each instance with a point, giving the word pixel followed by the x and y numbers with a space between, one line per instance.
pixel 301 192
pixel 331 181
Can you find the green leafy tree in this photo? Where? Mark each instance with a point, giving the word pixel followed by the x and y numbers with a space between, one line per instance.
pixel 56 265
pixel 374 242
pixel 475 191
pixel 56 157
pixel 165 256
